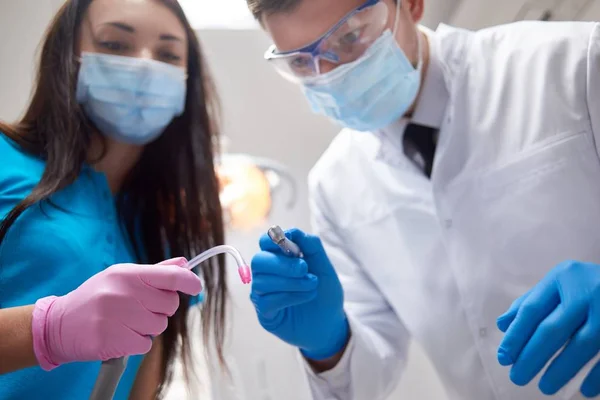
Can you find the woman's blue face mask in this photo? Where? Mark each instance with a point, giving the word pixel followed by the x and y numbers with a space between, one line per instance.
pixel 131 100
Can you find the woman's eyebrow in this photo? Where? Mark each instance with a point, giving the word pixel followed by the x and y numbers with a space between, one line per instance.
pixel 130 29
pixel 122 26
pixel 170 37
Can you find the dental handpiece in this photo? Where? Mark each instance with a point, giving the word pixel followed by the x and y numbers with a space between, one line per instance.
pixel 111 371
pixel 278 237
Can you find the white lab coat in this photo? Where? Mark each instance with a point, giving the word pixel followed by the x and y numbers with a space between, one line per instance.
pixel 515 190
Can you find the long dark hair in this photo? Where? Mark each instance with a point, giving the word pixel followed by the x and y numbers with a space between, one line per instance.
pixel 173 190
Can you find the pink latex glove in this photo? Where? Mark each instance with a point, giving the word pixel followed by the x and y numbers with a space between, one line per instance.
pixel 113 314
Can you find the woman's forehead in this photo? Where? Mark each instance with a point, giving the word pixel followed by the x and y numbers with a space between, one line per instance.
pixel 144 16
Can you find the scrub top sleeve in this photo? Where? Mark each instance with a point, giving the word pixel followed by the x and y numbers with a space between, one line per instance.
pixel 30 265
pixel 375 357
pixel 197 300
pixel 593 83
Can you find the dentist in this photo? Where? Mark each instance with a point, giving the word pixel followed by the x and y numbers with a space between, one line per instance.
pixel 467 172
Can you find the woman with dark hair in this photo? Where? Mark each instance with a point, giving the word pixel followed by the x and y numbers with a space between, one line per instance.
pixel 109 172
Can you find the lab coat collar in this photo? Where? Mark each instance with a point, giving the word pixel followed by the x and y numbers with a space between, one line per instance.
pixel 431 107
pixel 429 111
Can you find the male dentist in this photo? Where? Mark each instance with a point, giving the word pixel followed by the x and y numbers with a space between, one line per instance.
pixel 467 174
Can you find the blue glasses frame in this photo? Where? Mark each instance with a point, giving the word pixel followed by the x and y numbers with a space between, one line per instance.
pixel 313 48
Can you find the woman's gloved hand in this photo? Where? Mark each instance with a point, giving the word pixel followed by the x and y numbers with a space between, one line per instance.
pixel 562 310
pixel 113 314
pixel 300 300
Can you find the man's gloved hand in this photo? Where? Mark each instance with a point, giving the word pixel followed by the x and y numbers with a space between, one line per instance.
pixel 300 300
pixel 563 309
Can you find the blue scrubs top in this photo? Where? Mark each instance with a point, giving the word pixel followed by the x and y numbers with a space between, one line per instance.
pixel 51 251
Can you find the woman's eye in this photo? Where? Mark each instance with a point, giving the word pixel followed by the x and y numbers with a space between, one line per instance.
pixel 114 46
pixel 170 57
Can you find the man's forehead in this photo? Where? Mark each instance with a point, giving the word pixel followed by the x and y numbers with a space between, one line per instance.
pixel 307 22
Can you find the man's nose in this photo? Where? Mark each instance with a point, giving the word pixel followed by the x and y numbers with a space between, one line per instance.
pixel 326 66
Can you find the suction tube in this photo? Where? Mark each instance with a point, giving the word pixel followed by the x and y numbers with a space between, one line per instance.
pixel 243 268
pixel 111 371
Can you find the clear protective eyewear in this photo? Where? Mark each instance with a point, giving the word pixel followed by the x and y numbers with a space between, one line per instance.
pixel 345 42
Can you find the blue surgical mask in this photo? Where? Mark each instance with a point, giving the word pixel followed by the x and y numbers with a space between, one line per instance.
pixel 371 92
pixel 131 100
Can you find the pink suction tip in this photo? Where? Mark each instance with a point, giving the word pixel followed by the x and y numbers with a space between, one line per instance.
pixel 245 274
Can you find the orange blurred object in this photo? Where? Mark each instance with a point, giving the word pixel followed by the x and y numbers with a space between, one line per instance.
pixel 245 194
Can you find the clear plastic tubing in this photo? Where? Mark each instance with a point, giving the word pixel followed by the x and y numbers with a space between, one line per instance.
pixel 243 268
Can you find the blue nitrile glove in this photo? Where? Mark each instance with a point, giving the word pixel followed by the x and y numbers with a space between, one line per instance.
pixel 563 309
pixel 300 300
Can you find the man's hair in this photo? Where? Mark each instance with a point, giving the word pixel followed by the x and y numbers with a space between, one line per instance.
pixel 258 8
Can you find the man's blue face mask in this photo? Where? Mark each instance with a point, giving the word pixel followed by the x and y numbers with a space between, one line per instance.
pixel 131 100
pixel 371 92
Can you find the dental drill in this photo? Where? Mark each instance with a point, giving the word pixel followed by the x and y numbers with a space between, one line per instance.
pixel 288 247
pixel 111 371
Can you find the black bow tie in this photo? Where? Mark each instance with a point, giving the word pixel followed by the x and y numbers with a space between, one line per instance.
pixel 422 138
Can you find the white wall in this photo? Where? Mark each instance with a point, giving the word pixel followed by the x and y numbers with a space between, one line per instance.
pixel 22 23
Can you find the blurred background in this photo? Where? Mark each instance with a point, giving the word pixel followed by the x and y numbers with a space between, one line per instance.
pixel 266 118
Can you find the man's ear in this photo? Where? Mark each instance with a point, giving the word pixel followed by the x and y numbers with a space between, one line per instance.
pixel 415 8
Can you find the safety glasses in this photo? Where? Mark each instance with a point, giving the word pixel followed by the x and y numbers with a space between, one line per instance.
pixel 345 42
